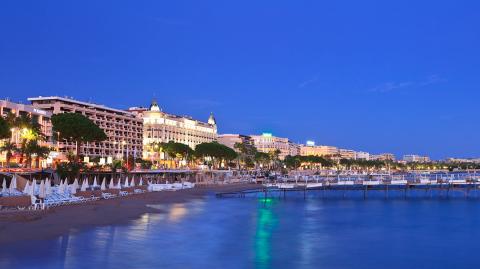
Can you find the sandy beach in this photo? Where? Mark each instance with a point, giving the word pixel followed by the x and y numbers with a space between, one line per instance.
pixel 36 225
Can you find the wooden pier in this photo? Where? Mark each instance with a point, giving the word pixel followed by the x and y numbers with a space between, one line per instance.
pixel 386 191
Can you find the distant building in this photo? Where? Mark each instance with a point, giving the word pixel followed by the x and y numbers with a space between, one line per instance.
pixel 159 126
pixel 124 129
pixel 268 143
pixel 312 150
pixel 412 158
pixel 383 157
pixel 294 149
pixel 463 160
pixel 230 140
pixel 347 154
pixel 361 155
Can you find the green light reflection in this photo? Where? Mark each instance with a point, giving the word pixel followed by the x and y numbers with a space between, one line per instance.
pixel 266 223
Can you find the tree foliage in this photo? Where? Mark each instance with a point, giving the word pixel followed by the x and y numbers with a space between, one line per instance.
pixel 294 162
pixel 77 128
pixel 216 151
pixel 4 129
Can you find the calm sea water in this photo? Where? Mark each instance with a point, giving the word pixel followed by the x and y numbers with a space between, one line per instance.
pixel 273 233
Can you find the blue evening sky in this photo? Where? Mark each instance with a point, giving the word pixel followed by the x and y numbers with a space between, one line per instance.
pixel 378 76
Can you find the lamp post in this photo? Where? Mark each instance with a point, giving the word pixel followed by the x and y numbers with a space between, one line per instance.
pixel 123 145
pixel 115 148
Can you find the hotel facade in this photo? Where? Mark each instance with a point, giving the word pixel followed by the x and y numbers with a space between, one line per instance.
pixel 42 117
pixel 413 158
pixel 159 127
pixel 312 150
pixel 230 140
pixel 383 157
pixel 267 143
pixel 124 129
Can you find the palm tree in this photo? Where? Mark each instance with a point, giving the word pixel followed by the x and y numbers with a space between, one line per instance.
pixel 9 148
pixel 274 156
pixel 41 152
pixel 29 149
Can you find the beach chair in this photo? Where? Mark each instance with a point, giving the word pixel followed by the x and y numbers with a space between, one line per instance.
pixel 35 203
pixel 107 195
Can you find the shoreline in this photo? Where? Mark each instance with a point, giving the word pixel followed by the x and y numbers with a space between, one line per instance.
pixel 38 225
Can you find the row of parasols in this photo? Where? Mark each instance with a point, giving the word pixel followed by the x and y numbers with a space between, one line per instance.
pixel 12 189
pixel 45 187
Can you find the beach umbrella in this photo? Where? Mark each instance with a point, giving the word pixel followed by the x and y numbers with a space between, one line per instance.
pixel 61 188
pixel 141 182
pixel 26 190
pixel 13 184
pixel 119 185
pixel 14 181
pixel 41 191
pixel 132 183
pixel 103 187
pixel 111 186
pixel 84 185
pixel 34 186
pixel 4 185
pixel 48 187
pixel 73 188
pixel 95 182
pixel 126 183
pixel 31 189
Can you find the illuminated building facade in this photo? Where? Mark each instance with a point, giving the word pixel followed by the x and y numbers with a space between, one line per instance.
pixel 159 127
pixel 42 117
pixel 268 143
pixel 312 150
pixel 124 129
pixel 412 158
pixel 230 140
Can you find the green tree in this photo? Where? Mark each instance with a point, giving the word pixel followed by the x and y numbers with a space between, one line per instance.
pixel 77 128
pixel 9 149
pixel 262 158
pixel 246 154
pixel 32 148
pixel 40 152
pixel 4 129
pixel 293 162
pixel 218 153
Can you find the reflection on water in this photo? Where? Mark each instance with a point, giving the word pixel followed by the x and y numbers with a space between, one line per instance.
pixel 271 233
pixel 266 221
pixel 177 212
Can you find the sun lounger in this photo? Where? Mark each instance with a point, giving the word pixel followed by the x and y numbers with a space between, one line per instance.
pixel 123 193
pixel 107 195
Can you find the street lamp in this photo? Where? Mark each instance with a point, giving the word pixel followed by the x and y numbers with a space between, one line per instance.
pixel 123 145
pixel 115 148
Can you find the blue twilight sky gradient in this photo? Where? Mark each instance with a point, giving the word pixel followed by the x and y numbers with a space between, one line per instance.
pixel 380 76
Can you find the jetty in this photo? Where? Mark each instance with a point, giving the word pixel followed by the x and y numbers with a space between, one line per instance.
pixel 366 186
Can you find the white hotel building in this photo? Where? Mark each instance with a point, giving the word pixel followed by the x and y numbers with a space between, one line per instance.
pixel 123 129
pixel 159 126
pixel 267 143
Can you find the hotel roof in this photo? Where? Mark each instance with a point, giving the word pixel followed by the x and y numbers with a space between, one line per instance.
pixel 71 100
